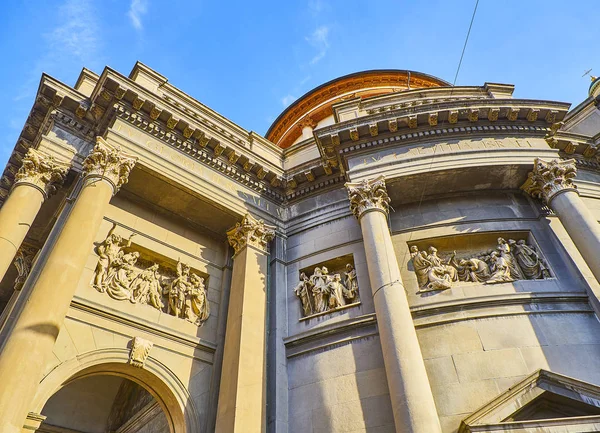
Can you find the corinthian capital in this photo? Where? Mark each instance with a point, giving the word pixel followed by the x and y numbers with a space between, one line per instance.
pixel 108 162
pixel 370 194
pixel 550 178
pixel 251 232
pixel 41 171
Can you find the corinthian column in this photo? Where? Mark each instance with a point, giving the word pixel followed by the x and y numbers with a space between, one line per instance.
pixel 242 395
pixel 552 181
pixel 32 339
pixel 34 182
pixel 410 392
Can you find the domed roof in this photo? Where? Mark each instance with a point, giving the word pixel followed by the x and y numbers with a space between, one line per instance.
pixel 316 105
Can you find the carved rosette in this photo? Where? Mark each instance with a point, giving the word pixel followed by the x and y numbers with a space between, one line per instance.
pixel 41 171
pixel 140 349
pixel 370 194
pixel 251 232
pixel 550 178
pixel 108 162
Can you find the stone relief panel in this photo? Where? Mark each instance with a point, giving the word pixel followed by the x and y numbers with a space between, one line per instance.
pixel 330 286
pixel 513 257
pixel 124 275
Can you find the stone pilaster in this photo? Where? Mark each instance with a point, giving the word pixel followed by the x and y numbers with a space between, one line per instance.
pixel 37 326
pixel 35 181
pixel 552 181
pixel 410 393
pixel 242 394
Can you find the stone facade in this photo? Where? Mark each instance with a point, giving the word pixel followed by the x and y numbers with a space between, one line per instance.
pixel 396 255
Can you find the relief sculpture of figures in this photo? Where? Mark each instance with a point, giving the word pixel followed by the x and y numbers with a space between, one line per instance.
pixel 123 275
pixel 510 261
pixel 109 251
pixel 322 292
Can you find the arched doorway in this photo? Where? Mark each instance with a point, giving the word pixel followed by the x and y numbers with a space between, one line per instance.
pixel 104 403
pixel 154 378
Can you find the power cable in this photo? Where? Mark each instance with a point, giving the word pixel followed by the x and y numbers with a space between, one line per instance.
pixel 466 40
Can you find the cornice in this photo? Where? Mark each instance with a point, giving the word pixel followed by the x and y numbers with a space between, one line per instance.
pixel 457 117
pixel 195 150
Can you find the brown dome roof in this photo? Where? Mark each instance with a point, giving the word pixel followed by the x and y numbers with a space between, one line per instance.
pixel 316 105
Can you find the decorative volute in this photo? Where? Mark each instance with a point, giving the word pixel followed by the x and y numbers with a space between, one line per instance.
pixel 41 171
pixel 370 194
pixel 108 162
pixel 251 232
pixel 550 178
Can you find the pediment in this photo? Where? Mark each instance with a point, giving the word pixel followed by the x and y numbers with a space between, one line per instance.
pixel 544 401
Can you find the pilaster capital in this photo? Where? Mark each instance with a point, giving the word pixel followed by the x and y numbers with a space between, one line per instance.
pixel 370 194
pixel 550 178
pixel 41 171
pixel 251 232
pixel 108 162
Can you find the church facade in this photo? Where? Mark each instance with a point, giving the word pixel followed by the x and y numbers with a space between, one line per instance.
pixel 395 255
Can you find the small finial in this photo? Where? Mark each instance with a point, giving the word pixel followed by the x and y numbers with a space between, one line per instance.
pixel 593 78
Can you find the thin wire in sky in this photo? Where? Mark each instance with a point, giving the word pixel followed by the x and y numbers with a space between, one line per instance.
pixel 466 40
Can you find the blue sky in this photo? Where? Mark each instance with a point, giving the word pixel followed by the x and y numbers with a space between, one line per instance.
pixel 249 60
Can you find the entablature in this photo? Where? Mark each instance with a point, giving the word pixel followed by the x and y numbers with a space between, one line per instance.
pixel 455 117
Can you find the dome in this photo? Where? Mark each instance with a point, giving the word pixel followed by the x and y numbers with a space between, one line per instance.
pixel 315 107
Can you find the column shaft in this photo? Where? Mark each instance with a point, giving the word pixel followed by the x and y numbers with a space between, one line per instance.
pixel 410 392
pixel 16 216
pixel 30 343
pixel 24 357
pixel 581 226
pixel 242 396
pixel 242 393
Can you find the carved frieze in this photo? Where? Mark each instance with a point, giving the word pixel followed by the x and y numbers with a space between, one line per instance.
pixel 108 162
pixel 370 194
pixel 509 261
pixel 323 292
pixel 124 276
pixel 251 232
pixel 42 171
pixel 550 178
pixel 140 350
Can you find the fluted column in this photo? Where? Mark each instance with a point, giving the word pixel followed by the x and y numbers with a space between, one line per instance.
pixel 35 181
pixel 32 339
pixel 410 393
pixel 552 181
pixel 242 393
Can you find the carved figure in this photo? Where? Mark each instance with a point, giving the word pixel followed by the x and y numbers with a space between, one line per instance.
pixel 196 302
pixel 146 288
pixel 501 272
pixel 506 253
pixel 475 270
pixel 351 288
pixel 120 276
pixel 302 291
pixel 320 291
pixel 530 262
pixel 178 289
pixel 109 251
pixel 336 292
pixel 432 273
